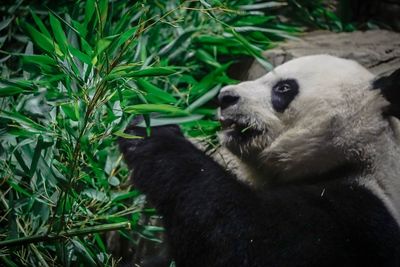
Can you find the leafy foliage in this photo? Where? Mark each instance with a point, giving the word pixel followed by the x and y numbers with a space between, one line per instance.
pixel 73 75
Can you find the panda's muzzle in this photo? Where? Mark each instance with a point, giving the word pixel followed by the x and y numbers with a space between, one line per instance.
pixel 227 123
pixel 227 98
pixel 234 125
pixel 238 128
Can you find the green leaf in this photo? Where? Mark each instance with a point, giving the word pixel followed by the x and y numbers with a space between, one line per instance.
pixel 102 45
pixel 58 33
pixel 254 20
pixel 4 23
pixel 20 159
pixel 71 110
pixel 80 28
pixel 10 90
pixel 126 136
pixel 100 242
pixel 154 71
pixel 36 155
pixel 42 62
pixel 8 261
pixel 207 58
pixel 149 72
pixel 149 108
pixel 203 99
pixel 40 24
pixel 114 181
pixel 86 255
pixel 39 59
pixel 122 196
pixel 95 195
pixel 177 42
pixel 89 11
pixel 155 94
pixel 209 81
pixel 80 55
pixel 21 119
pixel 19 189
pixel 176 120
pixel 267 4
pixel 41 40
pixel 252 50
pixel 215 40
pixel 125 36
pixel 279 33
pixel 103 11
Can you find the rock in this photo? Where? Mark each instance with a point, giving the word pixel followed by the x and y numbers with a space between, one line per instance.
pixel 377 50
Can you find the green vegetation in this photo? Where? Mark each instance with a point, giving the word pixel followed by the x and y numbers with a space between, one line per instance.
pixel 74 73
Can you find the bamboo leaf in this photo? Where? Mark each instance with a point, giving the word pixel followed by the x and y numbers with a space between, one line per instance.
pixel 4 23
pixel 175 120
pixel 36 155
pixel 59 33
pixel 41 40
pixel 19 189
pixel 122 196
pixel 209 81
pixel 149 72
pixel 21 161
pixel 207 58
pixel 268 4
pixel 86 256
pixel 216 40
pixel 155 94
pixel 10 90
pixel 23 120
pixel 103 11
pixel 125 36
pixel 71 111
pixel 203 99
pixel 176 43
pixel 150 108
pixel 102 45
pixel 40 24
pixel 89 11
pixel 126 136
pixel 39 60
pixel 80 55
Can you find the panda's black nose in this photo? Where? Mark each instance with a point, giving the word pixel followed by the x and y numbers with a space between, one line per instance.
pixel 227 98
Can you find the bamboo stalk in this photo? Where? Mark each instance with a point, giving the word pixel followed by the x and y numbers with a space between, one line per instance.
pixel 64 234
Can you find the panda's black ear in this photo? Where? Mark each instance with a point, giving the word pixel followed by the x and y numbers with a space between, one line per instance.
pixel 390 89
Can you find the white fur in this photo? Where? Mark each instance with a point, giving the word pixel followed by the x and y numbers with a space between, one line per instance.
pixel 335 119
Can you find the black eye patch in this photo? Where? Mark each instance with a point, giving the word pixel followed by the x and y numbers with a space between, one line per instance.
pixel 283 92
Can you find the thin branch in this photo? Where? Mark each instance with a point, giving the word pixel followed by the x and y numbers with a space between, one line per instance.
pixel 65 234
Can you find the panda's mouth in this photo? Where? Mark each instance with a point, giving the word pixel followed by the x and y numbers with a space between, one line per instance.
pixel 238 129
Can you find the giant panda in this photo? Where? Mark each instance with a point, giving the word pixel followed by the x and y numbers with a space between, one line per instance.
pixel 318 140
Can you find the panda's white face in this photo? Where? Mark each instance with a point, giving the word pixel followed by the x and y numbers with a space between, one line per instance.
pixel 303 117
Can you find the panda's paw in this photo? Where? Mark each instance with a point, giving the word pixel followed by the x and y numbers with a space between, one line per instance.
pixel 143 143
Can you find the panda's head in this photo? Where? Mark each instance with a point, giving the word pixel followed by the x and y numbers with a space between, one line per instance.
pixel 305 117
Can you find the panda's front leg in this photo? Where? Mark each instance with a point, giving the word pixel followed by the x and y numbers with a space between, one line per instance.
pixel 166 165
pixel 164 162
pixel 205 209
pixel 152 158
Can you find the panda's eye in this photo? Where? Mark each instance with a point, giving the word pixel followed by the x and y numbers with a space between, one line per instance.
pixel 283 92
pixel 282 88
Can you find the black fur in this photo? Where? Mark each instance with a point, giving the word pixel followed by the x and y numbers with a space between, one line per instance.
pixel 390 88
pixel 283 93
pixel 213 220
pixel 228 98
